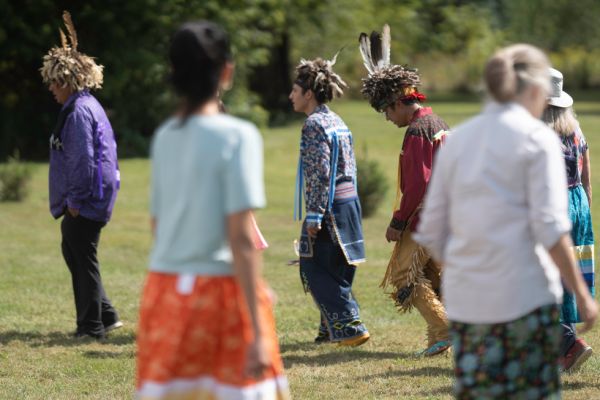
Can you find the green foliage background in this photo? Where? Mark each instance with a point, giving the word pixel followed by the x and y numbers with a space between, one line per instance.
pixel 449 40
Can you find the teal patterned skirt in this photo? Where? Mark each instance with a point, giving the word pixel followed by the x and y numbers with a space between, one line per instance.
pixel 513 360
pixel 583 241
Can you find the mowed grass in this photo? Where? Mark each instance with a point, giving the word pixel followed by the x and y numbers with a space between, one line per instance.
pixel 39 359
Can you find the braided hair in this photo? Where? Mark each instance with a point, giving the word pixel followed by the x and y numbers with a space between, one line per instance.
pixel 317 75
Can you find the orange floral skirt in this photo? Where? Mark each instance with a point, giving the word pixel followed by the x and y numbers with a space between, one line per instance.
pixel 193 337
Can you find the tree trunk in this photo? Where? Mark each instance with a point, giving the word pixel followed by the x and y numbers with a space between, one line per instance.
pixel 273 82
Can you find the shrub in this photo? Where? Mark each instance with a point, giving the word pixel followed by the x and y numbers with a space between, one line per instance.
pixel 244 104
pixel 580 67
pixel 132 144
pixel 372 185
pixel 14 179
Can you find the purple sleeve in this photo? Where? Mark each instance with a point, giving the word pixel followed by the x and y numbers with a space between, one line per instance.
pixel 78 139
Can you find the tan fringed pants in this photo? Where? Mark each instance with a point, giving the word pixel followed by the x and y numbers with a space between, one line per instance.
pixel 415 278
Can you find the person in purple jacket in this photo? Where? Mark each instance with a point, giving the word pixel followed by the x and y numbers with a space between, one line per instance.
pixel 83 177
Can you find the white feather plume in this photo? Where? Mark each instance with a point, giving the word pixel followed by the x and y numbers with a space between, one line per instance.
pixel 375 49
pixel 365 51
pixel 332 62
pixel 386 44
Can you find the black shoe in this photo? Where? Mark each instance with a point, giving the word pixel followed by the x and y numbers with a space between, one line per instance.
pixel 87 336
pixel 322 338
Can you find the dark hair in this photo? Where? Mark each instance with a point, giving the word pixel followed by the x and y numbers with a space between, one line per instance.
pixel 409 102
pixel 318 76
pixel 198 52
pixel 306 81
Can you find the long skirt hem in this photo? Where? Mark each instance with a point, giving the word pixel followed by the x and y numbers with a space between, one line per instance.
pixel 194 336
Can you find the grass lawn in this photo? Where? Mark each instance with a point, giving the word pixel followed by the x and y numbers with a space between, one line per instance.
pixel 39 360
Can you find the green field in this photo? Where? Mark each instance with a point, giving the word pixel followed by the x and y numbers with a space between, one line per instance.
pixel 39 359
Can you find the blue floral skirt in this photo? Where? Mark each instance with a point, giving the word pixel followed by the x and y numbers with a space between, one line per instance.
pixel 583 242
pixel 513 360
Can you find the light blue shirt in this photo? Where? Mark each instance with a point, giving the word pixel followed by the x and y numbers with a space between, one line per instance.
pixel 202 171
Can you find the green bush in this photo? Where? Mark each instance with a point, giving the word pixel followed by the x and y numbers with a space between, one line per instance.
pixel 244 104
pixel 132 144
pixel 14 179
pixel 580 67
pixel 372 185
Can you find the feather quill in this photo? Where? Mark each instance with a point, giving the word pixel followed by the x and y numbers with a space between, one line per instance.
pixel 386 44
pixel 63 39
pixel 70 29
pixel 365 51
pixel 375 49
pixel 334 59
pixel 376 53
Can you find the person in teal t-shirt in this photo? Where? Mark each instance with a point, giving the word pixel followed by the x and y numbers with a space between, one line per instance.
pixel 206 322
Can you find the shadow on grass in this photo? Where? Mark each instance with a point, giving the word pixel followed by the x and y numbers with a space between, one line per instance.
pixel 109 354
pixel 579 385
pixel 440 391
pixel 414 372
pixel 52 339
pixel 337 355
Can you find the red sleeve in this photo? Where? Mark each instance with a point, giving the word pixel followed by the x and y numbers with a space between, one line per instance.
pixel 416 172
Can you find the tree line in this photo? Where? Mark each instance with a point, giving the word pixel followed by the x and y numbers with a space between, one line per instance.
pixel 448 40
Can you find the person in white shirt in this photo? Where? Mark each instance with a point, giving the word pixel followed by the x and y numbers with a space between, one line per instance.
pixel 496 216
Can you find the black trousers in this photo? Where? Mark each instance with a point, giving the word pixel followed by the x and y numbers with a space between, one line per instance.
pixel 80 237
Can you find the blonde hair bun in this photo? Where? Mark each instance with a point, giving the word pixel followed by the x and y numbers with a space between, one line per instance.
pixel 511 69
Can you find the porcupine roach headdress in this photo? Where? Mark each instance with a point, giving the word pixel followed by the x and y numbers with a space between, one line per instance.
pixel 386 83
pixel 67 66
pixel 318 76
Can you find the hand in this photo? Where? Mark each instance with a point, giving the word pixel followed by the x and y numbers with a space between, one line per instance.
pixel 313 230
pixel 73 211
pixel 257 359
pixel 393 235
pixel 588 308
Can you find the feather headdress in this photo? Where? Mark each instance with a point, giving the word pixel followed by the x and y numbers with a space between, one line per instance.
pixel 385 82
pixel 318 76
pixel 67 66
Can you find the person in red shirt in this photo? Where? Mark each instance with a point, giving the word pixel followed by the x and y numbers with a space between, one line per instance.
pixel 414 276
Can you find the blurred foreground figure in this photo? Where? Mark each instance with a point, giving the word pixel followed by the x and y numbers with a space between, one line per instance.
pixel 496 216
pixel 413 274
pixel 206 326
pixel 559 116
pixel 331 240
pixel 83 179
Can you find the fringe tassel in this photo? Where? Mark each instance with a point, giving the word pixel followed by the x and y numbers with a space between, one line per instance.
pixel 434 314
pixel 400 276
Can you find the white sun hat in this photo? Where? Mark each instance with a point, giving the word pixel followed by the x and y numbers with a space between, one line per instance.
pixel 558 97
